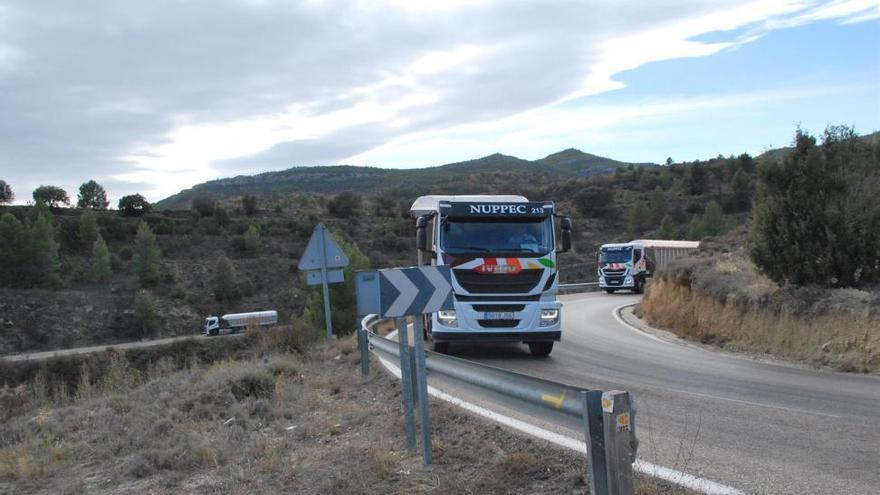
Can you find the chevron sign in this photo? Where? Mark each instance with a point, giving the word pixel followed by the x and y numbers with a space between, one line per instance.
pixel 404 291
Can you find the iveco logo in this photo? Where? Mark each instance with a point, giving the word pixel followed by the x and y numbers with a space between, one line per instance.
pixel 492 209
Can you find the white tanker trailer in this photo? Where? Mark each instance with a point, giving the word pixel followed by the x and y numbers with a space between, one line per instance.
pixel 236 322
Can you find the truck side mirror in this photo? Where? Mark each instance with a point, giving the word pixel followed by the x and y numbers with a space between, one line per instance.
pixel 421 232
pixel 566 235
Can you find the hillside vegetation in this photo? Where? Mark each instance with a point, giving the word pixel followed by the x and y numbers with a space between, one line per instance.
pixel 806 285
pixel 78 276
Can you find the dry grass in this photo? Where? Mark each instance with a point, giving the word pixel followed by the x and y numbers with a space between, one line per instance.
pixel 750 314
pixel 268 423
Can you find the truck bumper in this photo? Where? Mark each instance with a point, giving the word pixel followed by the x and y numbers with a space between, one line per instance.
pixel 524 326
pixel 622 282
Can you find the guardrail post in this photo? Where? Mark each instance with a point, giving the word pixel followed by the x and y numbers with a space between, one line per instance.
pixel 364 347
pixel 406 383
pixel 594 437
pixel 619 441
pixel 422 386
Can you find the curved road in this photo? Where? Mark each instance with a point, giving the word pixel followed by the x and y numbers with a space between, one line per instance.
pixel 757 426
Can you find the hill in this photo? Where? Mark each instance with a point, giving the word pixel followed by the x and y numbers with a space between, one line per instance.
pixel 492 171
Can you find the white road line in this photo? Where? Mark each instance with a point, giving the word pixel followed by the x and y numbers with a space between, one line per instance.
pixel 671 475
pixel 616 313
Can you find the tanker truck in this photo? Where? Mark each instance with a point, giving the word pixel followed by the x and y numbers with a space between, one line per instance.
pixel 236 322
pixel 628 265
pixel 502 252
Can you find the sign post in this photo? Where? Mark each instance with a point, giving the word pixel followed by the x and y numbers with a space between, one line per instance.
pixel 322 261
pixel 397 293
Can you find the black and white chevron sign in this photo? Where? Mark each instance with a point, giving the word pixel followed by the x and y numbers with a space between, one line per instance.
pixel 404 291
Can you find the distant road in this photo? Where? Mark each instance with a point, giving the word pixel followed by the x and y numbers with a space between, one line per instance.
pixel 757 426
pixel 39 356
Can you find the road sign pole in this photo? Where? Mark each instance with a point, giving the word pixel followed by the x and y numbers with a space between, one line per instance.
pixel 594 437
pixel 406 383
pixel 422 386
pixel 324 286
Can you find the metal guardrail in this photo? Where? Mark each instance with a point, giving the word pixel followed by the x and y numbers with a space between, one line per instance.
pixel 607 418
pixel 579 287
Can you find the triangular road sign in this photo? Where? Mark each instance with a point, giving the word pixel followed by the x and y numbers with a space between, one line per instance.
pixel 322 251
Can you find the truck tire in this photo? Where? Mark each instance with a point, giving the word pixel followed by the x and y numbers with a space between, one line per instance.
pixel 610 291
pixel 540 349
pixel 441 347
pixel 638 286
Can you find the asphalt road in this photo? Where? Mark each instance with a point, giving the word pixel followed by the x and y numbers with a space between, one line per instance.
pixel 757 426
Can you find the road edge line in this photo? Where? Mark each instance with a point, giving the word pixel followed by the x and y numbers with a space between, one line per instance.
pixel 676 477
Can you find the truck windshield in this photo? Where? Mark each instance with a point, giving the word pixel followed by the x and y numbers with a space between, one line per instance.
pixel 528 236
pixel 615 255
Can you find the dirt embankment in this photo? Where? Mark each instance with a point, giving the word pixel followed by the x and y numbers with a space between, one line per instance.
pixel 722 300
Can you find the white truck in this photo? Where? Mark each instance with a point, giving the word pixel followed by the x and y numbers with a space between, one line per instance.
pixel 502 251
pixel 627 266
pixel 236 322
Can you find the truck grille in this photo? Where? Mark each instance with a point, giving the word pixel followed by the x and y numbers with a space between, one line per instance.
pixel 498 307
pixel 497 283
pixel 498 323
pixel 613 273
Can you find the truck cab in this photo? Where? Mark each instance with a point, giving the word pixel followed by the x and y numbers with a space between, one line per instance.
pixel 502 252
pixel 622 266
pixel 629 265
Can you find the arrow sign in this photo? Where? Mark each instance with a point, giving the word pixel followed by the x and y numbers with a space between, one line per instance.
pixel 404 291
pixel 321 240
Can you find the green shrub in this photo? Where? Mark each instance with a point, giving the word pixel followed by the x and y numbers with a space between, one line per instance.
pixel 816 215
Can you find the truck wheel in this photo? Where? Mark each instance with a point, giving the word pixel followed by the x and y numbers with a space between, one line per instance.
pixel 441 347
pixel 638 286
pixel 212 333
pixel 610 291
pixel 540 349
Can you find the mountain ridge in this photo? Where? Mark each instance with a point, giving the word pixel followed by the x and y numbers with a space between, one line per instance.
pixel 334 179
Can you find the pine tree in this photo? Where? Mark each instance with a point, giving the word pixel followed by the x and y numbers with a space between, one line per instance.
pixel 146 255
pixel 638 219
pixel 87 231
pixel 695 228
pixel 713 220
pixel 13 251
pixel 742 191
pixel 225 285
pixel 252 239
pixel 667 228
pixel 657 204
pixel 101 262
pixel 43 262
pixel 144 313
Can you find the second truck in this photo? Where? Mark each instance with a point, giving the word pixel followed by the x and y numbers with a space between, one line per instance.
pixel 502 251
pixel 629 265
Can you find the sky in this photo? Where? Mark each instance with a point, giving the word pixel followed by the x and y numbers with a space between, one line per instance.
pixel 154 97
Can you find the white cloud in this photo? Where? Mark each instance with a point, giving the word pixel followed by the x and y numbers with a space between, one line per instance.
pixel 168 93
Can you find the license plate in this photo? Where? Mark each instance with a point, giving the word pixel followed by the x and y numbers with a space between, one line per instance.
pixel 499 315
pixel 614 282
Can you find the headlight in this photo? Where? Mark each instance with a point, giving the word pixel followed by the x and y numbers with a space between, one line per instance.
pixel 549 317
pixel 447 318
pixel 629 280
